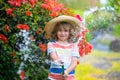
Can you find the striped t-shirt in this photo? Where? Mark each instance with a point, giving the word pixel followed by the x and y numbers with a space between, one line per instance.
pixel 64 53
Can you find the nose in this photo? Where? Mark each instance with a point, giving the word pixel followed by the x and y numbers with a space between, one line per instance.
pixel 62 32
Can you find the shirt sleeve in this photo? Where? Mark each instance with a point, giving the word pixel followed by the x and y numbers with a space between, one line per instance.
pixel 50 48
pixel 75 51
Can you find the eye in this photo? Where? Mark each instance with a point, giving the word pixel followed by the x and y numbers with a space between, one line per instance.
pixel 59 30
pixel 66 30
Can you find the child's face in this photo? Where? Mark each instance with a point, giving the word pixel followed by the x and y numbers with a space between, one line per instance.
pixel 63 34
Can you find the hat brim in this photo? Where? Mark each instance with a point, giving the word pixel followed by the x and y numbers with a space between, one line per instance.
pixel 51 24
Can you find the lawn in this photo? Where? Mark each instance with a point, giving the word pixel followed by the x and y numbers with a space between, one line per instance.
pixel 99 65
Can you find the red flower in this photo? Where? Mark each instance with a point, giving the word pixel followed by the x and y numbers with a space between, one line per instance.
pixel 7 27
pixel 52 6
pixel 88 48
pixel 39 30
pixel 9 11
pixel 79 35
pixel 42 47
pixel 23 26
pixel 28 13
pixel 53 14
pixel 22 75
pixel 15 2
pixel 84 47
pixel 58 7
pixel 47 37
pixel 32 2
pixel 44 0
pixel 2 37
pixel 45 6
pixel 12 54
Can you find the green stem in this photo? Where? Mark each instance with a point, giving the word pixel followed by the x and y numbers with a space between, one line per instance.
pixel 63 72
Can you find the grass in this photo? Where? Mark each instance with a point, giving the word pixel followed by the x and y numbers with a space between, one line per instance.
pixel 86 71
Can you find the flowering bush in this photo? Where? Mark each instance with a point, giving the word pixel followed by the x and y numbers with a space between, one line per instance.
pixel 83 45
pixel 22 37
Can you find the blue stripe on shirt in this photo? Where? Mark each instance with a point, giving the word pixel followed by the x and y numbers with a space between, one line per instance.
pixel 59 70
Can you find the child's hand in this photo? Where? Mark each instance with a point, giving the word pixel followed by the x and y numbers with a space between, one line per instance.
pixel 65 75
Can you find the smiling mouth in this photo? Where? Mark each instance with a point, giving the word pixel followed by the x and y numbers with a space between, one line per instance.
pixel 62 36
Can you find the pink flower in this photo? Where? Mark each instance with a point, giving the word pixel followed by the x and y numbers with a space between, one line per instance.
pixel 79 17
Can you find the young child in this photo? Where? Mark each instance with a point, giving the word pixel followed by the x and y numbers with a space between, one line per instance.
pixel 63 51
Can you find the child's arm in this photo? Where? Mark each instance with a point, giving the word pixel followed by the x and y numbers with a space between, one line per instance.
pixel 72 65
pixel 53 56
pixel 51 51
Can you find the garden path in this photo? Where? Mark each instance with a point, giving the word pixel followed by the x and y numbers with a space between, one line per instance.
pixel 105 64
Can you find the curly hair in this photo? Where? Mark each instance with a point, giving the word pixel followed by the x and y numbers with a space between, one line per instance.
pixel 73 31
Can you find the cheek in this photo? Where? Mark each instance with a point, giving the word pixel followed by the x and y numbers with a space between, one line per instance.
pixel 68 33
pixel 58 33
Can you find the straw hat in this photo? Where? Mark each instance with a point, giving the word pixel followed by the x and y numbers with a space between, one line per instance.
pixel 51 24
